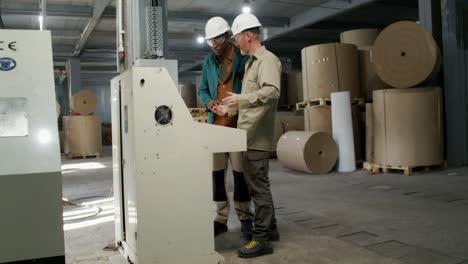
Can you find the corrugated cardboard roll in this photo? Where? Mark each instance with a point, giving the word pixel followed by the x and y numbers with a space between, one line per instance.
pixel 342 127
pixel 311 152
pixel 329 68
pixel 369 133
pixel 408 127
pixel 82 135
pixel 318 118
pixel 189 94
pixel 84 102
pixel 370 81
pixel 293 123
pixel 360 37
pixel 294 87
pixel 405 55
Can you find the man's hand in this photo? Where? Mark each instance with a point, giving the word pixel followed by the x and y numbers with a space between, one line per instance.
pixel 231 100
pixel 220 109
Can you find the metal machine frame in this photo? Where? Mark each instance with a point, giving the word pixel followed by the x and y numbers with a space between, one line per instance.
pixel 31 225
pixel 162 162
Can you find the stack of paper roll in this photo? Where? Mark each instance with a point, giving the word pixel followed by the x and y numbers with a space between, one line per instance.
pixel 82 130
pixel 311 152
pixel 329 68
pixel 406 123
pixel 408 127
pixel 189 94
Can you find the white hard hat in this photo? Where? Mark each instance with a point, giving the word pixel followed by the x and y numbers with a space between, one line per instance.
pixel 215 27
pixel 243 22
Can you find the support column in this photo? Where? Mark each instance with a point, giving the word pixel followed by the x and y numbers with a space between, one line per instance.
pixel 74 78
pixel 455 80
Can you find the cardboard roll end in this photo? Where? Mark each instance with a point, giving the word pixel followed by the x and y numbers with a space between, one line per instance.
pixel 307 151
pixel 405 55
pixel 84 102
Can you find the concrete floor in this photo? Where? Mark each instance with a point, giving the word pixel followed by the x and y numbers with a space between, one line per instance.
pixel 337 218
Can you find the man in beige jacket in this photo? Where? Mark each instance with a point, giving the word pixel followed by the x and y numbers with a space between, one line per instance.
pixel 257 105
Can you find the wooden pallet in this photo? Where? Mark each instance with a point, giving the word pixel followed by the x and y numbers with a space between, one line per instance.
pixel 408 171
pixel 326 102
pixel 83 156
pixel 201 119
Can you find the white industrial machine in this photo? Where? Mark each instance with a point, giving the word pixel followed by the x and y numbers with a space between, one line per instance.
pixel 31 229
pixel 162 163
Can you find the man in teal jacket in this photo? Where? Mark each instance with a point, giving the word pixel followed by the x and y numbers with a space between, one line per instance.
pixel 222 73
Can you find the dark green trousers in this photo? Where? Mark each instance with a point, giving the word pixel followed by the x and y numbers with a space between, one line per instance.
pixel 256 166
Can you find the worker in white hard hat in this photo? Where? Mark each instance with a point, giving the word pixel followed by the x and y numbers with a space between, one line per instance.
pixel 222 73
pixel 257 110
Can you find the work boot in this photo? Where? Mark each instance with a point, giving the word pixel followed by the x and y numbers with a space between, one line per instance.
pixel 219 228
pixel 246 229
pixel 255 249
pixel 274 234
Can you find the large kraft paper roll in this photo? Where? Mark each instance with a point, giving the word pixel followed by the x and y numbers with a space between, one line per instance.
pixel 329 68
pixel 318 118
pixel 310 152
pixel 189 94
pixel 370 81
pixel 369 132
pixel 294 86
pixel 360 37
pixel 82 135
pixel 408 127
pixel 84 102
pixel 406 55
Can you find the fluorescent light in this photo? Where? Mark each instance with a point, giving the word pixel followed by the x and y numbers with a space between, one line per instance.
pixel 246 9
pixel 41 22
pixel 200 39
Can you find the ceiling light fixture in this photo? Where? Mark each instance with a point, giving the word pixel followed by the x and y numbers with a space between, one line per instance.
pixel 41 22
pixel 246 9
pixel 200 39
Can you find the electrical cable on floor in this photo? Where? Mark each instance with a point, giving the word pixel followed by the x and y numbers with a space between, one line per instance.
pixel 77 205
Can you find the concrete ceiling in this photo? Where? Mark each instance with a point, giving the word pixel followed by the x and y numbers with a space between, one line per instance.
pixel 292 25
